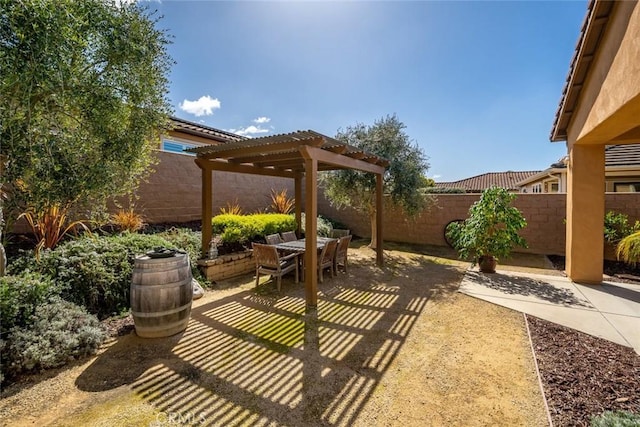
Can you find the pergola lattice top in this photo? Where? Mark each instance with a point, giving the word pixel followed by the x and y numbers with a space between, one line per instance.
pixel 282 152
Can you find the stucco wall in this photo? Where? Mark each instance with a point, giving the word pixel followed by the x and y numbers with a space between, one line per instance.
pixel 544 213
pixel 613 81
pixel 172 193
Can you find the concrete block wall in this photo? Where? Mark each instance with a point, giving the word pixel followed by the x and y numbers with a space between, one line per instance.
pixel 172 193
pixel 545 215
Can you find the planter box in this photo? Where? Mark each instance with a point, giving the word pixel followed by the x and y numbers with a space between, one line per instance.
pixel 227 266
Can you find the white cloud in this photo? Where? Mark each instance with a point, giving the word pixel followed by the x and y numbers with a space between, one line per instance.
pixel 262 120
pixel 436 176
pixel 202 107
pixel 249 131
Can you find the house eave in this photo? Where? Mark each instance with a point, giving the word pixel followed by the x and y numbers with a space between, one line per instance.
pixel 593 28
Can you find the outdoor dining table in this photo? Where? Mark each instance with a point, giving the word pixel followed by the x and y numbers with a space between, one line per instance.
pixel 299 247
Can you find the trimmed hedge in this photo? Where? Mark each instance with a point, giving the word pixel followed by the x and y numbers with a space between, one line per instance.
pixel 244 228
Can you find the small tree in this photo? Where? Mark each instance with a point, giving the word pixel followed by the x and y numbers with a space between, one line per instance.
pixel 83 87
pixel 402 179
pixel 492 229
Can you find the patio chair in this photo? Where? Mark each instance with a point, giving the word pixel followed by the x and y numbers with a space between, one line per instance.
pixel 289 236
pixel 341 253
pixel 325 260
pixel 273 239
pixel 269 261
pixel 337 233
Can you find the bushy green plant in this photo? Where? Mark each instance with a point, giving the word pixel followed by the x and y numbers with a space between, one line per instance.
pixel 492 227
pixel 19 297
pixel 243 228
pixel 94 272
pixel 616 226
pixel 57 332
pixel 616 419
pixel 324 226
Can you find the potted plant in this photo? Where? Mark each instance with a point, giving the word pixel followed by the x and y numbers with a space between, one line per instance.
pixel 491 230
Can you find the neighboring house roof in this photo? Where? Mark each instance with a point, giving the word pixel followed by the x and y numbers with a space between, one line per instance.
pixel 591 33
pixel 197 129
pixel 620 156
pixel 479 183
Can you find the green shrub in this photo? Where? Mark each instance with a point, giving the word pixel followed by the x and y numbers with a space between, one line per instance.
pixel 94 272
pixel 244 228
pixel 616 419
pixel 59 331
pixel 492 228
pixel 19 297
pixel 616 226
pixel 324 225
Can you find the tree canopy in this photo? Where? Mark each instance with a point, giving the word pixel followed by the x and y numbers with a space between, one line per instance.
pixel 83 85
pixel 405 175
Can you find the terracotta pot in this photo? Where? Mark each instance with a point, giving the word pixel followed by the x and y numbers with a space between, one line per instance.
pixel 487 264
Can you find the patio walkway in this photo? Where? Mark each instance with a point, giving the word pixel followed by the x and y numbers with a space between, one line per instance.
pixel 610 311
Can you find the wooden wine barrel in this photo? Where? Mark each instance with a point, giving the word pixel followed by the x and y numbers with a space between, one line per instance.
pixel 161 295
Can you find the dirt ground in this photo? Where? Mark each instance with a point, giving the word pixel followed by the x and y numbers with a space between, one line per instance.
pixel 385 347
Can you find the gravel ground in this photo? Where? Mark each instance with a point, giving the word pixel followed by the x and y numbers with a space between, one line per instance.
pixel 392 347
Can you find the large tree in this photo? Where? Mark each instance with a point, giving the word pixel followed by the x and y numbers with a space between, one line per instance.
pixel 402 179
pixel 83 87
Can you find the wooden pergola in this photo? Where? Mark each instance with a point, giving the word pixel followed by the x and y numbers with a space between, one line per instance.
pixel 297 155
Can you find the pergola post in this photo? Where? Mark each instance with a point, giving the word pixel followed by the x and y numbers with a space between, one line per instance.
pixel 298 199
pixel 311 232
pixel 207 205
pixel 379 206
pixel 585 213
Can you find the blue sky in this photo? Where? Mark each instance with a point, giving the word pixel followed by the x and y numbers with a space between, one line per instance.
pixel 476 83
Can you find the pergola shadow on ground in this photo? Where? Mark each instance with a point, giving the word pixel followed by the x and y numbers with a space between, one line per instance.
pixel 267 358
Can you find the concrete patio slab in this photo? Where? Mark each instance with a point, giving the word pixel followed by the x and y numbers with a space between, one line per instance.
pixel 610 311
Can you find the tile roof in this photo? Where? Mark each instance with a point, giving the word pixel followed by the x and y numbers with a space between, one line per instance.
pixel 185 126
pixel 591 34
pixel 622 155
pixel 479 183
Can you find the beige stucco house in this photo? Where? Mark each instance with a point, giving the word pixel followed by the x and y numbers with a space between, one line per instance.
pixel 622 173
pixel 600 106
